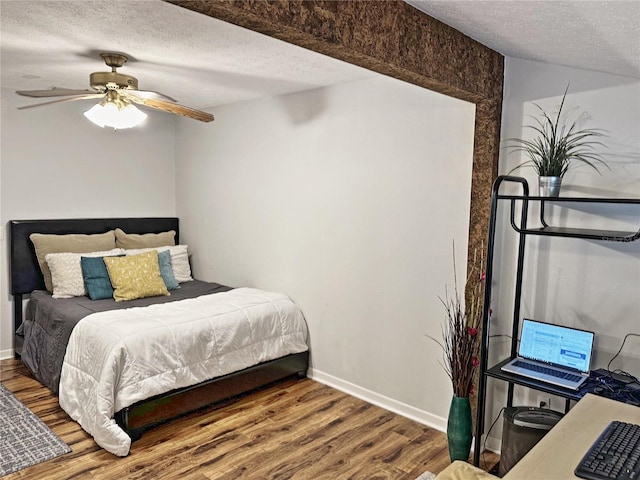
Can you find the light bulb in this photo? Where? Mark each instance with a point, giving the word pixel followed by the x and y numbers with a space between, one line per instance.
pixel 109 115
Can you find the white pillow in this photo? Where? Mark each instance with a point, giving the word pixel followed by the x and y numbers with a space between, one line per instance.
pixel 179 260
pixel 66 272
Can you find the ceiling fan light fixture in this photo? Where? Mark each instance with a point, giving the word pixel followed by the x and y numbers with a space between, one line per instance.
pixel 118 92
pixel 116 116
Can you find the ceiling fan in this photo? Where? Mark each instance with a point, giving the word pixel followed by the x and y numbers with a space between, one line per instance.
pixel 118 92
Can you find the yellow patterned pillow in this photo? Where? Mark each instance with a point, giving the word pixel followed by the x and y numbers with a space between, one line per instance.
pixel 135 276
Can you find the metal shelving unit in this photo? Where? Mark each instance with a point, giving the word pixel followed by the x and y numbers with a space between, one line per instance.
pixel 521 223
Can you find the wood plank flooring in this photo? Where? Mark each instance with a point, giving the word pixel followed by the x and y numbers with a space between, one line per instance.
pixel 294 430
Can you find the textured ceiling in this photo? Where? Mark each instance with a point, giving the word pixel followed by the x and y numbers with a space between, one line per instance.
pixel 589 34
pixel 198 60
pixel 203 62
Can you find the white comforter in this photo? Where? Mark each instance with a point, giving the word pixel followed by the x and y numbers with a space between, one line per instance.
pixel 119 357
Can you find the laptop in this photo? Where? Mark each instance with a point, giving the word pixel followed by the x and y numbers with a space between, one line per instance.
pixel 553 354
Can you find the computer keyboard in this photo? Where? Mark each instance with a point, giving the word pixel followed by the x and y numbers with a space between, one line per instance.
pixel 614 455
pixel 549 371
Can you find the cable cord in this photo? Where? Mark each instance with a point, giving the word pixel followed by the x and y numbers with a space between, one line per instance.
pixel 616 356
pixel 484 444
pixel 500 335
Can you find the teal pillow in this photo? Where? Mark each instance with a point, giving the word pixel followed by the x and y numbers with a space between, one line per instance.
pixel 166 270
pixel 96 278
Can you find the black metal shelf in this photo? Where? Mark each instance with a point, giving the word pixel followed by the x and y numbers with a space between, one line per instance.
pixel 496 372
pixel 569 199
pixel 586 233
pixel 556 231
pixel 519 218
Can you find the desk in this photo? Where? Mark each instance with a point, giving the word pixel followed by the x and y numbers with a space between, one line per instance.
pixel 556 456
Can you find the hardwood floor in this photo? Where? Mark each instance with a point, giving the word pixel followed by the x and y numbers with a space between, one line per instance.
pixel 293 430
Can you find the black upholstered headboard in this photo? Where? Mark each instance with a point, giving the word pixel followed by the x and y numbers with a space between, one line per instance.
pixel 25 274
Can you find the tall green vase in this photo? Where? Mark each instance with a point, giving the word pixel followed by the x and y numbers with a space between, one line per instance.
pixel 459 434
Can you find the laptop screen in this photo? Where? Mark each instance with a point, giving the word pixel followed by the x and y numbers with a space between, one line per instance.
pixel 563 346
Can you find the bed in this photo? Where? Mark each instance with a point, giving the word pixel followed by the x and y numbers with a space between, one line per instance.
pixel 75 328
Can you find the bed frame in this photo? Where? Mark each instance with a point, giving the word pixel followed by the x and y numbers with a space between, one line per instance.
pixel 25 277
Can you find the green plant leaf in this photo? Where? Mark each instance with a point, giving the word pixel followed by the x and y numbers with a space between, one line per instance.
pixel 557 145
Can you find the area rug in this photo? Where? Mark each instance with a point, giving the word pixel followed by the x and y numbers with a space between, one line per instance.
pixel 24 439
pixel 427 476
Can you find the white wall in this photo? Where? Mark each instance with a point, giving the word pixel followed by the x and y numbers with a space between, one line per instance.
pixel 586 284
pixel 348 199
pixel 56 164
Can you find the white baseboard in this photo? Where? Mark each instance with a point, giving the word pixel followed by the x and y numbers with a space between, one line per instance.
pixel 5 354
pixel 493 444
pixel 434 421
pixel 382 401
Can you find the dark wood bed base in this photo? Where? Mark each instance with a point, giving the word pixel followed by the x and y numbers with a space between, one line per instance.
pixel 146 414
pixel 25 276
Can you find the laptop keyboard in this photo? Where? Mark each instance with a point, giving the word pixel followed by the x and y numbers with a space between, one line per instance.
pixel 614 455
pixel 546 370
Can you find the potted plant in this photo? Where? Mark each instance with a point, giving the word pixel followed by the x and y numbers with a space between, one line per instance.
pixel 460 346
pixel 557 147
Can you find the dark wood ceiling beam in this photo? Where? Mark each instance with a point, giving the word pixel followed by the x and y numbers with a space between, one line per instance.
pixel 388 37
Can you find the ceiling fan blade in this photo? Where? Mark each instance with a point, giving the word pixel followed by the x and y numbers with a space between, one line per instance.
pixel 171 107
pixel 151 94
pixel 53 92
pixel 67 99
